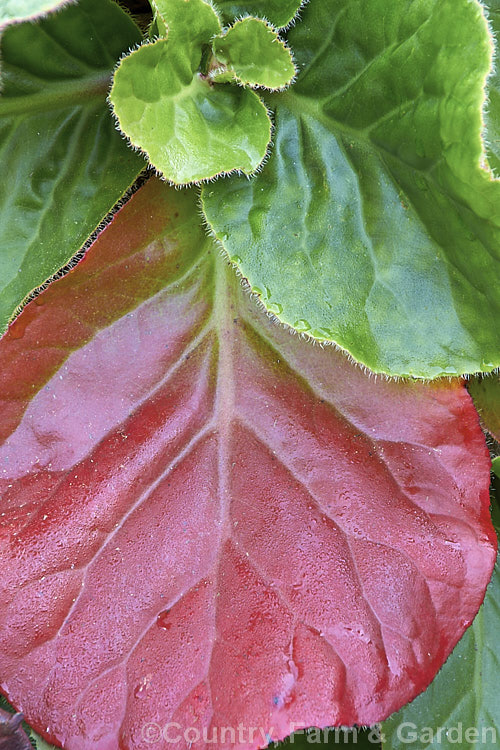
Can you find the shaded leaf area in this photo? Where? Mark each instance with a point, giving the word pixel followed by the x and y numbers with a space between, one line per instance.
pixel 189 128
pixel 64 162
pixel 485 392
pixel 206 520
pixel 279 12
pixel 461 707
pixel 253 50
pixel 19 10
pixel 137 7
pixel 373 224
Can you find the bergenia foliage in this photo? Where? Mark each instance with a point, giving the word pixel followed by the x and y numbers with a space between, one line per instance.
pixel 204 519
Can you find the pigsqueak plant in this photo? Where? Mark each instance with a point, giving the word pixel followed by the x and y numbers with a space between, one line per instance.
pixel 249 390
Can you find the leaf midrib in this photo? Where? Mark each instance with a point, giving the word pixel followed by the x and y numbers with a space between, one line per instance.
pixel 59 95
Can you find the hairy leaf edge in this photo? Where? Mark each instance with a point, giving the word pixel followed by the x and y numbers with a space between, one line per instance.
pixel 145 154
pixel 281 42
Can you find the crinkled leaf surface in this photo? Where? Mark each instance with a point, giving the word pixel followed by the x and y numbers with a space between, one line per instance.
pixel 278 12
pixel 63 164
pixel 190 128
pixel 207 520
pixel 486 394
pixel 254 51
pixel 18 10
pixel 373 224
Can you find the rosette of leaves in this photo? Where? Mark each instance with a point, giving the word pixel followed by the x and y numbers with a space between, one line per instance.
pixel 186 98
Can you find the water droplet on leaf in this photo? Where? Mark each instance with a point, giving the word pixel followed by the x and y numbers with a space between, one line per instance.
pixel 302 325
pixel 163 620
pixel 275 307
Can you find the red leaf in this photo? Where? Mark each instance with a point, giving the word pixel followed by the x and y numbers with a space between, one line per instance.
pixel 208 521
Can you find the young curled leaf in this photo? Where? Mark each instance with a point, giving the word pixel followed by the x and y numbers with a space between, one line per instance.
pixel 253 50
pixel 190 129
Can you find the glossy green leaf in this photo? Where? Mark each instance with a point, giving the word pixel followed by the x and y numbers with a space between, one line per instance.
pixel 461 707
pixel 278 12
pixel 63 163
pixel 373 224
pixel 19 10
pixel 189 128
pixel 254 51
pixel 486 394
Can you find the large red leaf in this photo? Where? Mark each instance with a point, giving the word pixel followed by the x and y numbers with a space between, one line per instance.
pixel 208 521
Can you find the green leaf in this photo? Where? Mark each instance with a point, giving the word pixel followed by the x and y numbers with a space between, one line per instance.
pixel 19 10
pixel 278 12
pixel 254 51
pixel 464 697
pixel 63 163
pixel 190 129
pixel 334 737
pixel 373 224
pixel 40 743
pixel 187 22
pixel 495 466
pixel 486 394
